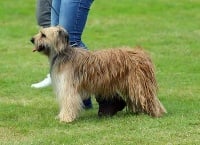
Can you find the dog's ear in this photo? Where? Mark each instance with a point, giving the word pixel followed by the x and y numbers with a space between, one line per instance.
pixel 63 38
pixel 63 34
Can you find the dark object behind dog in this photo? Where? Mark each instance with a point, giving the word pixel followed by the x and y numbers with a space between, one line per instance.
pixel 110 107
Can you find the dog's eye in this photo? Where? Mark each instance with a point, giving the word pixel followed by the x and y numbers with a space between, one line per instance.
pixel 43 35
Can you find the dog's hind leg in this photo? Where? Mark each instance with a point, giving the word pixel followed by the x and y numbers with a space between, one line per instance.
pixel 133 105
pixel 142 95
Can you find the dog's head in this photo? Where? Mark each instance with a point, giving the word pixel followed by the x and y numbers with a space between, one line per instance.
pixel 51 39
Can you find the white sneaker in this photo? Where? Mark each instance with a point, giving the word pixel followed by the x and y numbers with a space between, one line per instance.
pixel 44 83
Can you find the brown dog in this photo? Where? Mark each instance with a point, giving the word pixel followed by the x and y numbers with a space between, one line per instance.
pixel 78 73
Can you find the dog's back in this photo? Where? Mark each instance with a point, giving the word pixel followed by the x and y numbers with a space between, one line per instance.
pixel 111 67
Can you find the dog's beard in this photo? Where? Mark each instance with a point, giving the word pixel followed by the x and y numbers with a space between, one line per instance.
pixel 39 48
pixel 42 49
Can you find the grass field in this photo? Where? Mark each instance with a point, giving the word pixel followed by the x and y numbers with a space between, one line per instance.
pixel 169 30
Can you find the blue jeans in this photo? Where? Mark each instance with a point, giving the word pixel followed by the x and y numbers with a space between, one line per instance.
pixel 72 15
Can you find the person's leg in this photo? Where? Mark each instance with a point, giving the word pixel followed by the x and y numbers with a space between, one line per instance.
pixel 43 16
pixel 55 12
pixel 43 13
pixel 73 17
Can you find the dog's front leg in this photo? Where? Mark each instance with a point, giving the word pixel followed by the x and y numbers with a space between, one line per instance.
pixel 70 105
pixel 69 99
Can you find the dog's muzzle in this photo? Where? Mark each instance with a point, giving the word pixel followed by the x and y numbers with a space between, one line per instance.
pixel 39 48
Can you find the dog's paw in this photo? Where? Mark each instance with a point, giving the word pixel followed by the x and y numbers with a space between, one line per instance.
pixel 57 117
pixel 65 118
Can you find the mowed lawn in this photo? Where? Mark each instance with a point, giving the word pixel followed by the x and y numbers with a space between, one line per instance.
pixel 168 30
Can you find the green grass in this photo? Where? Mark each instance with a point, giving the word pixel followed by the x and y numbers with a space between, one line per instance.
pixel 169 30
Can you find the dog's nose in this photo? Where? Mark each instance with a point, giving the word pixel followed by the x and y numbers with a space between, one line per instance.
pixel 32 40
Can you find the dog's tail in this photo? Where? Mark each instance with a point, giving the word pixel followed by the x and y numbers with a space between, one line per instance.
pixel 144 86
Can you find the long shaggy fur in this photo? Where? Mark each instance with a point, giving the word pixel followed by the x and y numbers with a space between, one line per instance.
pixel 77 73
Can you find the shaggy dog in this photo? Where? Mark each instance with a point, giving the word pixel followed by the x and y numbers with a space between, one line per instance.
pixel 78 73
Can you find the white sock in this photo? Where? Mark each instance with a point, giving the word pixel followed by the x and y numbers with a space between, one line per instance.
pixel 44 83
